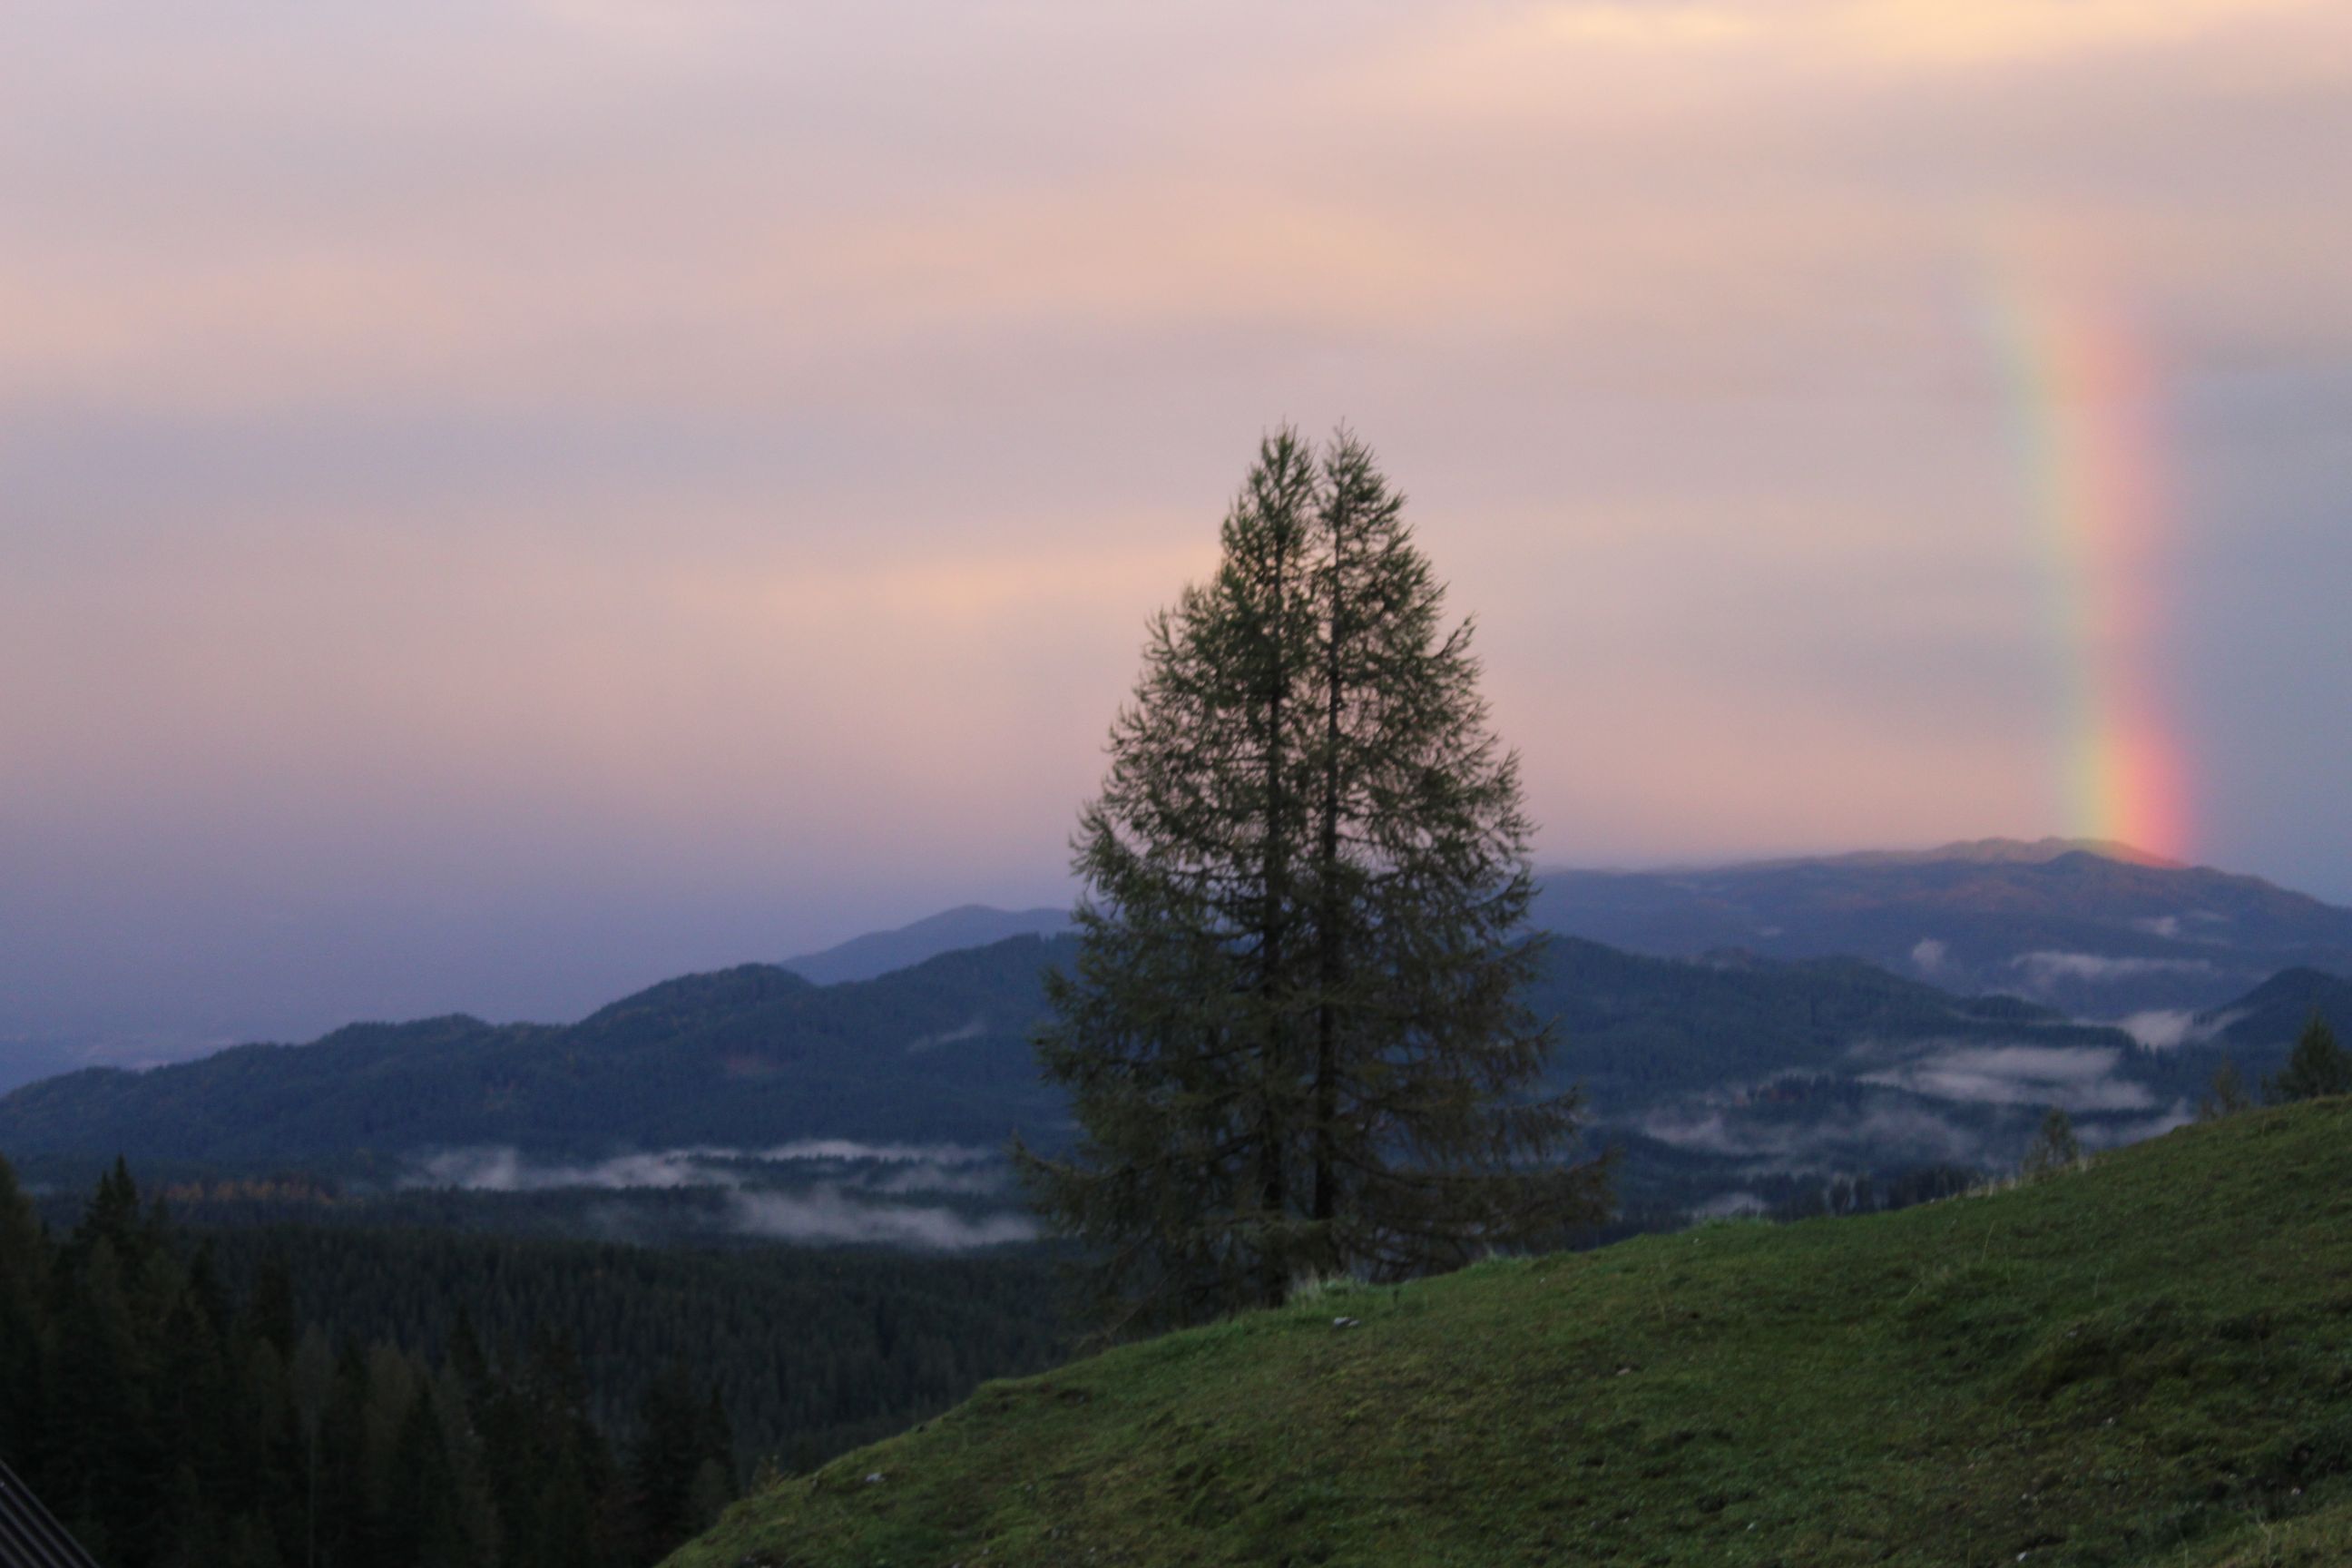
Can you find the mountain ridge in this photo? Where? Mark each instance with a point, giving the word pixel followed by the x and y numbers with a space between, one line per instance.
pixel 1716 1067
pixel 2055 920
pixel 1995 851
pixel 1711 1072
pixel 872 954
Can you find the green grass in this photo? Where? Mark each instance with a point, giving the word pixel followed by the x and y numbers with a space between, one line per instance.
pixel 2147 1361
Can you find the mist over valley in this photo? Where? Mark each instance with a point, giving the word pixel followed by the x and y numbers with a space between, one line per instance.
pixel 756 1102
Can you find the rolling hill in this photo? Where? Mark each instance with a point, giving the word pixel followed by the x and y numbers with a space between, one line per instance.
pixel 750 1058
pixel 756 1056
pixel 2277 1009
pixel 2094 930
pixel 2141 1362
pixel 1712 1073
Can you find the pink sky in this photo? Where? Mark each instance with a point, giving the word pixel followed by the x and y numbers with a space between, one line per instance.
pixel 685 480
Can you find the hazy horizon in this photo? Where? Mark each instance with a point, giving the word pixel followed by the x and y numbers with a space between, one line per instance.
pixel 512 980
pixel 503 503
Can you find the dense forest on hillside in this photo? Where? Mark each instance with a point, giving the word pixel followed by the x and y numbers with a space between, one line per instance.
pixel 818 1348
pixel 706 1215
pixel 746 1057
pixel 456 1400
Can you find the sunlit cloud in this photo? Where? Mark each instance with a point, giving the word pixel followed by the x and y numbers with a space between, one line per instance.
pixel 1653 26
pixel 1936 32
pixel 1978 32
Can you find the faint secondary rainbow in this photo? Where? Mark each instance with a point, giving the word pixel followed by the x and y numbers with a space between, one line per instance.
pixel 2083 400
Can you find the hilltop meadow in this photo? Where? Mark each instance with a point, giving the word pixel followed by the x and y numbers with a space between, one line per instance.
pixel 2143 1361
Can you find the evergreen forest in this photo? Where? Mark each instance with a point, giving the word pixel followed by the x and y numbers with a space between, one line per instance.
pixel 280 1395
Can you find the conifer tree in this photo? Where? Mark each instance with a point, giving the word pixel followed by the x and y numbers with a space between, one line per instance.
pixel 2226 1095
pixel 24 1281
pixel 170 1432
pixel 1293 1035
pixel 2318 1067
pixel 2055 1147
pixel 669 1449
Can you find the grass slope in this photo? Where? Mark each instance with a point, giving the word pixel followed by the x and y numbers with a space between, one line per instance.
pixel 2148 1361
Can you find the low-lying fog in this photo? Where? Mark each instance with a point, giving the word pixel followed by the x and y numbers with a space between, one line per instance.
pixel 824 1189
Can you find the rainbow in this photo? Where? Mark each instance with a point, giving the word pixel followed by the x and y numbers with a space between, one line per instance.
pixel 2083 402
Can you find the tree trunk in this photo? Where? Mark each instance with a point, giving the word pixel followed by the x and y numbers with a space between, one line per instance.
pixel 1332 967
pixel 1273 1199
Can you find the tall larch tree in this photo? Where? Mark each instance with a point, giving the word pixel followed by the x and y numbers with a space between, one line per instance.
pixel 2318 1067
pixel 1291 1036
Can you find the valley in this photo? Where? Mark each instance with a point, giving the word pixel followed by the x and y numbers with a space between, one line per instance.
pixel 756 1102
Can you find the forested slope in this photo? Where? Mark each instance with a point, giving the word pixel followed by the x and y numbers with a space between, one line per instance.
pixel 459 1401
pixel 2148 1361
pixel 750 1057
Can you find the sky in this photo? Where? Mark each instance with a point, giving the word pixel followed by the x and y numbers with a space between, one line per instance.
pixel 502 502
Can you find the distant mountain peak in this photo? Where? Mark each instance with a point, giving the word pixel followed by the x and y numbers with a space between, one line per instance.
pixel 2100 928
pixel 877 953
pixel 2019 852
pixel 2007 852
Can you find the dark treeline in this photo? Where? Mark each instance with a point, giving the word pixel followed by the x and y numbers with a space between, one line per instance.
pixel 704 1216
pixel 1788 1197
pixel 1785 1197
pixel 819 1349
pixel 272 1398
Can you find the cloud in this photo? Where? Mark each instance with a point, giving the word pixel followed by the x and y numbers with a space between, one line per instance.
pixel 1959 1102
pixel 1932 32
pixel 849 1149
pixel 1888 1132
pixel 1931 957
pixel 906 1167
pixel 506 1170
pixel 969 1030
pixel 2045 969
pixel 1976 33
pixel 928 1178
pixel 2114 1133
pixel 2192 925
pixel 826 1214
pixel 850 1204
pixel 1706 1132
pixel 2078 1078
pixel 2165 1028
pixel 789 388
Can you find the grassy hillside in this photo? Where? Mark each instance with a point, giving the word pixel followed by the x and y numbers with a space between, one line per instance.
pixel 2146 1362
